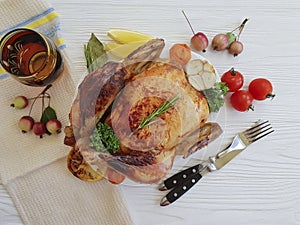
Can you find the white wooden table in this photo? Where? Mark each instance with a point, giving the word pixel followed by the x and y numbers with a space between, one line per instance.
pixel 262 185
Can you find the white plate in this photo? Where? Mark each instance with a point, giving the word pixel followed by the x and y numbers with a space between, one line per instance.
pixel 179 162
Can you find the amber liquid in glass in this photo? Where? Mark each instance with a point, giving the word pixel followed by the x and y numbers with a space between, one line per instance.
pixel 32 59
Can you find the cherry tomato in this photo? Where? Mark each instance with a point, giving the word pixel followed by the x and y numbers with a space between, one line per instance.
pixel 233 79
pixel 114 177
pixel 242 100
pixel 261 89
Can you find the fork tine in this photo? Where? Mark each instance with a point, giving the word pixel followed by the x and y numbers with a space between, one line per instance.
pixel 255 139
pixel 256 126
pixel 258 131
pixel 252 133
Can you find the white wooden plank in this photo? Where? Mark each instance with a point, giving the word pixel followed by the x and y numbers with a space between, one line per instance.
pixel 262 185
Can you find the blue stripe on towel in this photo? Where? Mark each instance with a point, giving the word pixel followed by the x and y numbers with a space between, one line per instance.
pixel 3 76
pixel 22 24
pixel 63 46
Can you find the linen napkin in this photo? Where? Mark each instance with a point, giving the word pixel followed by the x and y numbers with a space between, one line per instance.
pixel 34 170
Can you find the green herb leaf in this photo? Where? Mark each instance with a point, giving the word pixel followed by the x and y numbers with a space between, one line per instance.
pixel 156 113
pixel 215 96
pixel 48 114
pixel 222 86
pixel 103 139
pixel 231 38
pixel 95 54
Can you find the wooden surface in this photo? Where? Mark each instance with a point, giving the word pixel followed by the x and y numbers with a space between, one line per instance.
pixel 262 185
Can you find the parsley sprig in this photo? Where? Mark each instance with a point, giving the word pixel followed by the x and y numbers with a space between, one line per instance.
pixel 103 139
pixel 215 96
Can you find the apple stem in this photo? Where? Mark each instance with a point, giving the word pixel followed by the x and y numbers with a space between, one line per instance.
pixel 244 22
pixel 242 27
pixel 46 89
pixel 42 95
pixel 34 100
pixel 49 97
pixel 43 103
pixel 188 21
pixel 39 96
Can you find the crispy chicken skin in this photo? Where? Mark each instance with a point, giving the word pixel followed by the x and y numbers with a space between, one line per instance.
pixel 131 91
pixel 147 92
pixel 148 154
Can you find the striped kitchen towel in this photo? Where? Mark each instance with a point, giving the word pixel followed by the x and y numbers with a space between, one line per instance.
pixel 45 21
pixel 33 170
pixel 40 16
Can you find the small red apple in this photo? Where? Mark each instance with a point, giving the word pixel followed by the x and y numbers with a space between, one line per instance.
pixel 26 124
pixel 39 129
pixel 53 126
pixel 20 102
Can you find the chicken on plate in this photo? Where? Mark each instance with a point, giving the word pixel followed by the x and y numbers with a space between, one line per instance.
pixel 123 95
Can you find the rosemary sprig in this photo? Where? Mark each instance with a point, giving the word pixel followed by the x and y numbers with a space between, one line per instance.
pixel 156 113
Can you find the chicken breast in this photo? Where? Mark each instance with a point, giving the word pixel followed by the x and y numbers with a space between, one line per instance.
pixel 124 94
pixel 153 146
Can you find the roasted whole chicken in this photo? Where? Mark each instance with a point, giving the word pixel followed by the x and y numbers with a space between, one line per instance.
pixel 122 94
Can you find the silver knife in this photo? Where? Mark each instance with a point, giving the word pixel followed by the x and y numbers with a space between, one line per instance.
pixel 181 182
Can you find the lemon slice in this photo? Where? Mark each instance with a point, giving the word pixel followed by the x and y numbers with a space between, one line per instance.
pixel 125 36
pixel 123 50
pixel 201 74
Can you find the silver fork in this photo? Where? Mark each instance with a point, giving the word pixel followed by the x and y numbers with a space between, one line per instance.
pixel 181 182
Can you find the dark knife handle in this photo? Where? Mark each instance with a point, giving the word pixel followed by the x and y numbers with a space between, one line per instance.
pixel 179 178
pixel 180 190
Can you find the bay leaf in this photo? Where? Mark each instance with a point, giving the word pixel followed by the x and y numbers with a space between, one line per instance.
pixel 95 54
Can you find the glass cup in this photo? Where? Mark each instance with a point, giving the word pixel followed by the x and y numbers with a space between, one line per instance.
pixel 30 57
